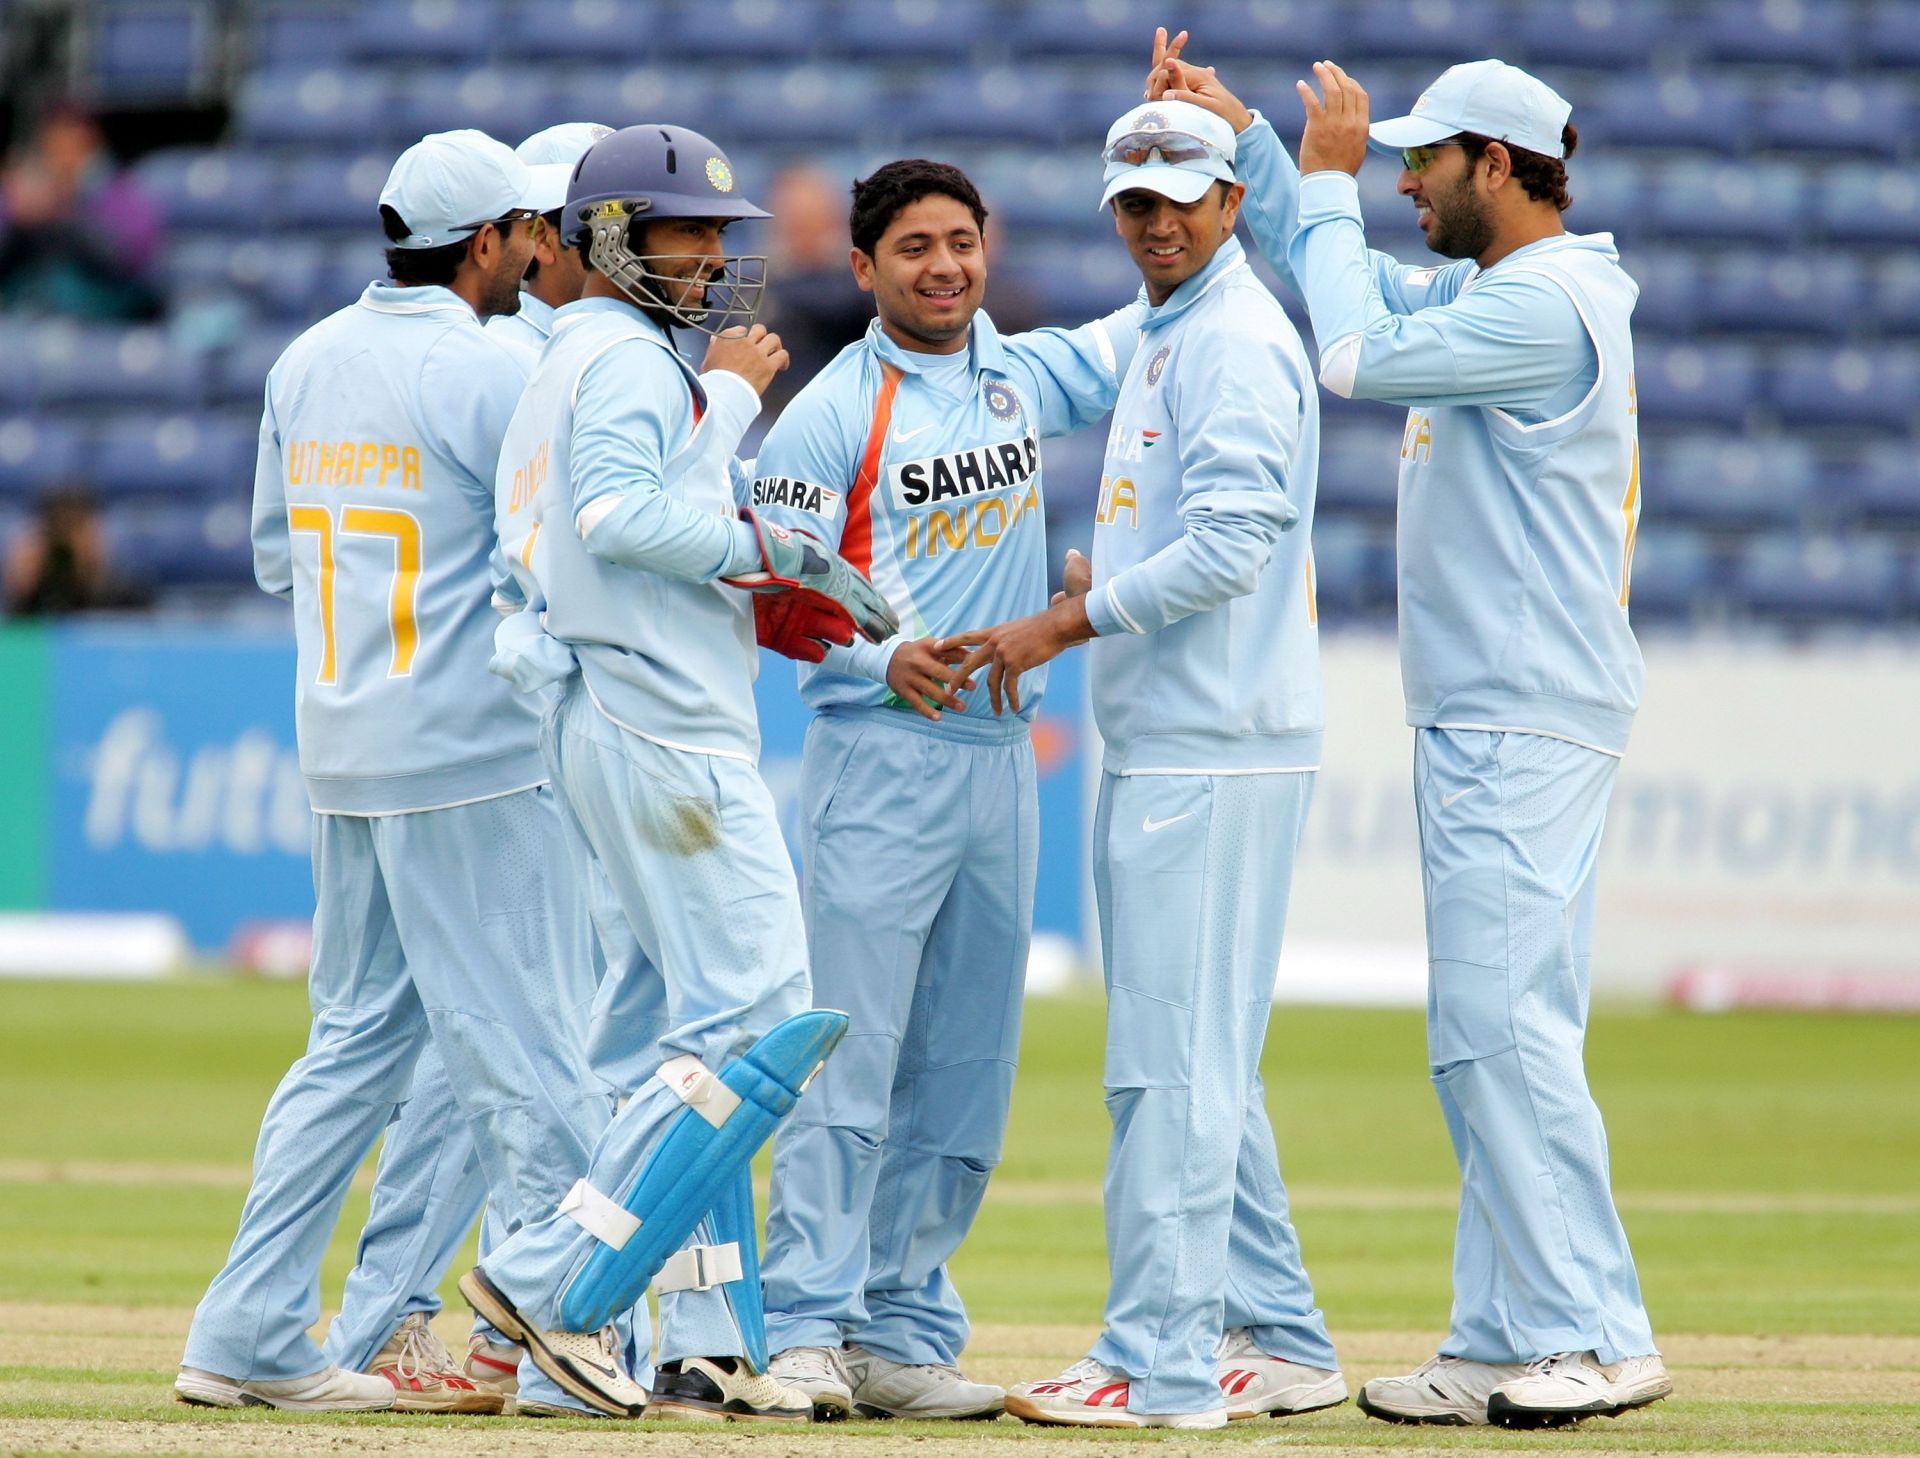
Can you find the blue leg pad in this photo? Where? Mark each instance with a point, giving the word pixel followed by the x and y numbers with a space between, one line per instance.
pixel 697 1166
pixel 733 1221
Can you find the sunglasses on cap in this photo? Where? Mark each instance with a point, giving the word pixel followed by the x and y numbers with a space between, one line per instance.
pixel 516 215
pixel 1418 159
pixel 1135 149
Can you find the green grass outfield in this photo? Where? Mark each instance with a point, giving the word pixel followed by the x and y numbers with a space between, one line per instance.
pixel 1768 1168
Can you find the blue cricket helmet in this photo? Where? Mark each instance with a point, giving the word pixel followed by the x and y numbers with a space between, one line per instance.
pixel 652 171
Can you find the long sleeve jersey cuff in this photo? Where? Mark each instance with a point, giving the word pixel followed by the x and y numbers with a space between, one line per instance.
pixel 1104 614
pixel 862 659
pixel 743 556
pixel 1331 194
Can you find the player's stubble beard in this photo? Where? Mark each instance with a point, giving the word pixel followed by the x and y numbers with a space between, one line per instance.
pixel 1461 226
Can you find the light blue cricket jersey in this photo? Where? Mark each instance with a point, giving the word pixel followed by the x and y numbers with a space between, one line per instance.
pixel 928 479
pixel 373 511
pixel 617 508
pixel 1520 461
pixel 527 332
pixel 1208 659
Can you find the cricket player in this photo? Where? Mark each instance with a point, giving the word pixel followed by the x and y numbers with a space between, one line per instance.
pixel 622 511
pixel 1519 503
pixel 1206 689
pixel 429 1188
pixel 916 452
pixel 434 828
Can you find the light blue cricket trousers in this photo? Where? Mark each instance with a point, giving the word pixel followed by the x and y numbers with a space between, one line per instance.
pixel 692 848
pixel 429 1188
pixel 1510 830
pixel 920 843
pixel 441 923
pixel 1192 874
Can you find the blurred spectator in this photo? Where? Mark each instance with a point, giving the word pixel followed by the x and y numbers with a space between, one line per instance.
pixel 77 234
pixel 58 563
pixel 813 303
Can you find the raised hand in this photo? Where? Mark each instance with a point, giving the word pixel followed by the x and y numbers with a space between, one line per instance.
pixel 1335 139
pixel 1163 51
pixel 756 355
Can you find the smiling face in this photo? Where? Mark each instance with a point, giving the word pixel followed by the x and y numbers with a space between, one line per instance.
pixel 1452 211
pixel 688 252
pixel 927 274
pixel 1171 242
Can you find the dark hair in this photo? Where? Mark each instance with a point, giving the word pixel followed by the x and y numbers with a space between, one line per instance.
pixel 891 189
pixel 413 268
pixel 1544 177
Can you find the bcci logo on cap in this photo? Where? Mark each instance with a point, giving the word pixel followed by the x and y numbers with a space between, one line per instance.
pixel 1157 366
pixel 719 174
pixel 1002 403
pixel 1150 121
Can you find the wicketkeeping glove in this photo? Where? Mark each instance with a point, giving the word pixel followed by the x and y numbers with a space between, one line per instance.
pixel 800 624
pixel 793 558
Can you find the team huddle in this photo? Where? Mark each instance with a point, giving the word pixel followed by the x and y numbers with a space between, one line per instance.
pixel 561 958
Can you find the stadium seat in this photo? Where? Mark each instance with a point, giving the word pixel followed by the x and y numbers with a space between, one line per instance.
pixel 311 106
pixel 1352 569
pixel 35 453
pixel 151 50
pixel 427 30
pixel 102 365
pixel 1712 382
pixel 1028 189
pixel 1884 488
pixel 1868 202
pixel 1609 196
pixel 958 106
pixel 1763 201
pixel 1423 32
pixel 616 95
pixel 1891 36
pixel 1813 33
pixel 180 456
pixel 1297 32
pixel 597 31
pixel 1075 281
pixel 171 545
pixel 1675 572
pixel 1894 310
pixel 1682 109
pixel 282 278
pixel 508 103
pixel 818 104
pixel 300 32
pixel 743 30
pixel 1359 468
pixel 240 374
pixel 1727 482
pixel 210 187
pixel 1613 35
pixel 1776 292
pixel 336 191
pixel 1669 280
pixel 1845 114
pixel 1819 385
pixel 1081 28
pixel 1802 578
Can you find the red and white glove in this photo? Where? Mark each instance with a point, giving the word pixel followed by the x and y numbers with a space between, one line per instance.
pixel 800 624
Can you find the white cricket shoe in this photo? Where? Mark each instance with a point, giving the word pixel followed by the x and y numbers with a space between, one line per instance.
pixel 1090 1394
pixel 328 1390
pixel 1255 1384
pixel 883 1388
pixel 821 1373
pixel 724 1387
pixel 1569 1386
pixel 424 1375
pixel 1445 1391
pixel 586 1364
pixel 496 1366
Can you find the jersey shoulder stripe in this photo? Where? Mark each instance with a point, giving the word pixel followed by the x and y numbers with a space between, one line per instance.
pixel 856 537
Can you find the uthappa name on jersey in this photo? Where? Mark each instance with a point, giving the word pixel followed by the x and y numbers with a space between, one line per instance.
pixel 959 474
pixel 799 495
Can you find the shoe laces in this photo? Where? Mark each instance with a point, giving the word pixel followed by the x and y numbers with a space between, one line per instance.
pixel 1087 1369
pixel 601 1347
pixel 809 1364
pixel 421 1352
pixel 1551 1364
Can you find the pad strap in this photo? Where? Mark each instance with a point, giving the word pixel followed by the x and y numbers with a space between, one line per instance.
pixel 697 1087
pixel 606 1221
pixel 700 1268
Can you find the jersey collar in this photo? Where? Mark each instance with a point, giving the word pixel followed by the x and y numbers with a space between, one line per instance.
pixel 983 345
pixel 570 314
pixel 427 299
pixel 537 313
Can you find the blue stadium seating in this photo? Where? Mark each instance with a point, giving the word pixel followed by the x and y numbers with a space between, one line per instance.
pixel 1868 202
pixel 1817 385
pixel 151 50
pixel 1894 309
pixel 299 32
pixel 179 456
pixel 1727 482
pixel 211 187
pixel 36 453
pixel 101 366
pixel 335 190
pixel 1696 199
pixel 1684 109
pixel 1602 34
pixel 1675 571
pixel 823 105
pixel 1884 487
pixel 1299 32
pixel 1796 577
pixel 1892 34
pixel 1777 32
pixel 1782 292
pixel 1843 115
pixel 319 106
pixel 598 31
pixel 168 545
pixel 740 30
pixel 1715 382
pixel 1085 28
pixel 501 101
pixel 1359 467
pixel 427 30
pixel 1352 569
pixel 1441 30
pixel 966 104
pixel 1670 289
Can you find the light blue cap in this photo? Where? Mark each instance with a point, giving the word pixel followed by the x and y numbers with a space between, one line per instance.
pixel 447 184
pixel 552 155
pixel 1187 129
pixel 1488 98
